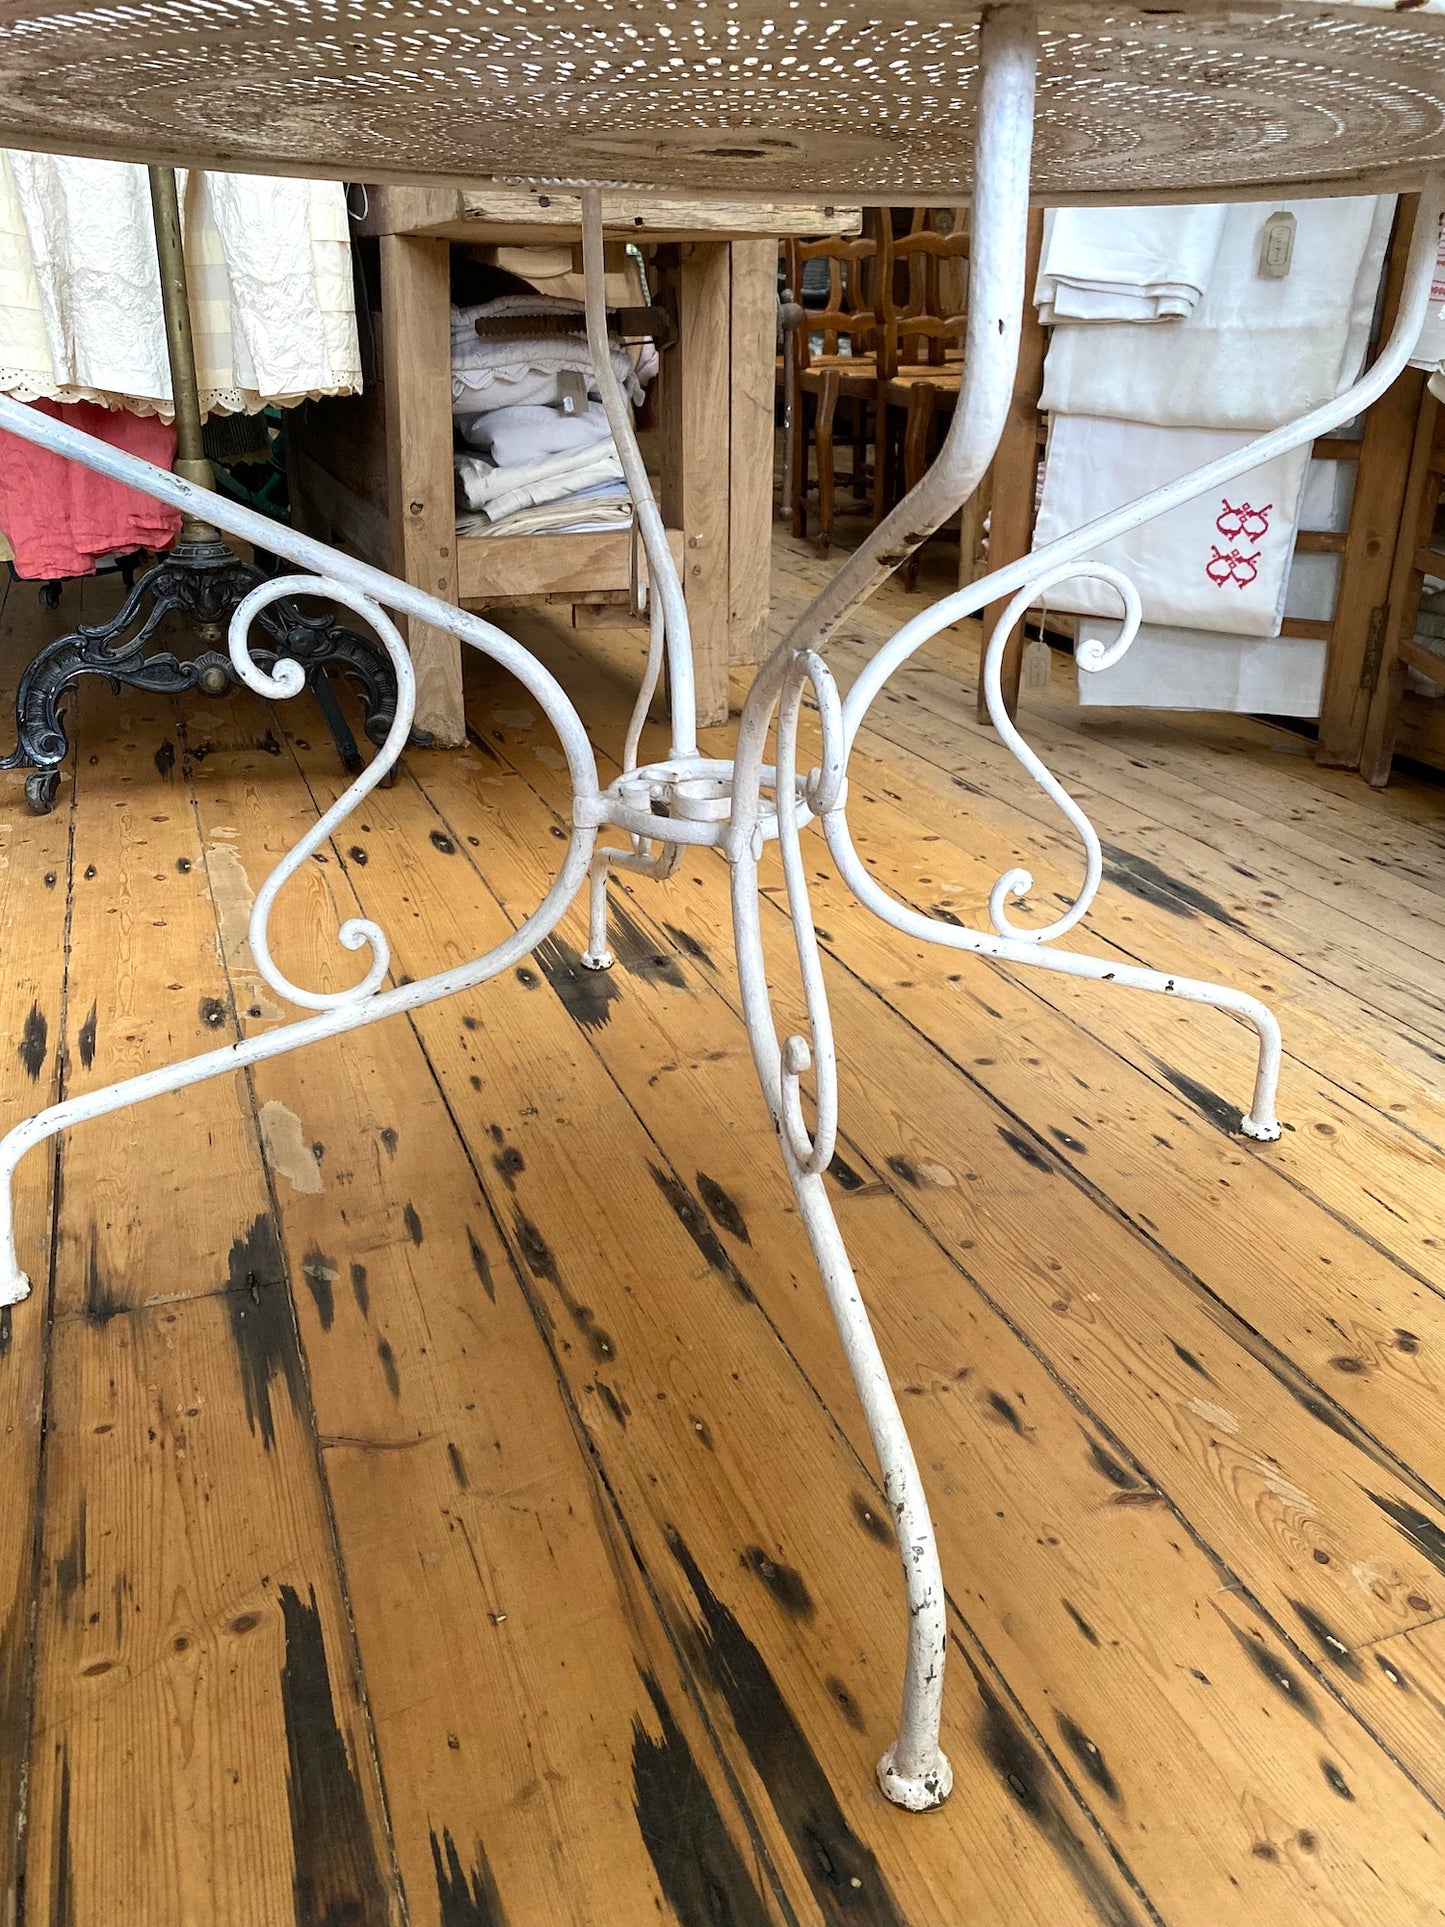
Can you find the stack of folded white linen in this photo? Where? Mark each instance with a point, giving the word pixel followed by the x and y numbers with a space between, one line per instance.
pixel 1133 407
pixel 539 454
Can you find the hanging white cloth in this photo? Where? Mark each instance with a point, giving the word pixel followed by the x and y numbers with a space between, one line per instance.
pixel 1430 349
pixel 1125 263
pixel 272 294
pixel 1256 351
pixel 1219 562
pixel 1182 668
pixel 269 266
pixel 1202 669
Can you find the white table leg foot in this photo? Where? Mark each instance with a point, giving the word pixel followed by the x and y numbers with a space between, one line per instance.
pixel 921 1791
pixel 597 956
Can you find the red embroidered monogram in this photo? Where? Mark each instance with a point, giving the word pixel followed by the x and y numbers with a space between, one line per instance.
pixel 1228 565
pixel 1246 520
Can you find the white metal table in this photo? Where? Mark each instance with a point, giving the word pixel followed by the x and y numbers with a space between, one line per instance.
pixel 868 100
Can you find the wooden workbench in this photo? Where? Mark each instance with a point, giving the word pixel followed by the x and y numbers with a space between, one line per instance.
pixel 376 470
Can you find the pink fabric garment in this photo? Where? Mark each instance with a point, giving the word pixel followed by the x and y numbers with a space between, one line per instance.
pixel 59 517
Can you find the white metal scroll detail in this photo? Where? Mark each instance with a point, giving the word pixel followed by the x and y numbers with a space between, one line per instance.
pixel 739 804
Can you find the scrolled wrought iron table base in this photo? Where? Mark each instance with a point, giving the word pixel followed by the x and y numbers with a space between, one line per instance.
pixel 739 805
pixel 201 582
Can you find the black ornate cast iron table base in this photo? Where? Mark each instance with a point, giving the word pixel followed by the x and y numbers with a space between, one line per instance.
pixel 203 581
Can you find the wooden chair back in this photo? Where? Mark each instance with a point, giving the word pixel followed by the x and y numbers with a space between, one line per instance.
pixel 850 316
pixel 924 289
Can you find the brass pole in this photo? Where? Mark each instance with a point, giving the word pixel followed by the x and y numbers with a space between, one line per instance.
pixel 191 460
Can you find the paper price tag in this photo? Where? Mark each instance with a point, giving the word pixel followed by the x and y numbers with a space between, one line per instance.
pixel 1276 246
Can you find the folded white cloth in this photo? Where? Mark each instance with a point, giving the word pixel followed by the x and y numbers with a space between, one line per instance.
pixel 500 490
pixel 269 265
pixel 1219 562
pixel 532 432
pixel 499 372
pixel 1125 263
pixel 1201 669
pixel 1255 352
pixel 572 515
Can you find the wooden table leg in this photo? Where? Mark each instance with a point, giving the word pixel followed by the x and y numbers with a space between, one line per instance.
pixel 696 434
pixel 754 334
pixel 416 339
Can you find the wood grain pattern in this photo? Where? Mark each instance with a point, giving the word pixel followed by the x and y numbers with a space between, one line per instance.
pixel 484 1555
pixel 532 216
pixel 1351 669
pixel 695 423
pixel 682 1424
pixel 1308 1514
pixel 752 345
pixel 200 1746
pixel 417 354
pixel 502 569
pixel 34 916
pixel 465 1385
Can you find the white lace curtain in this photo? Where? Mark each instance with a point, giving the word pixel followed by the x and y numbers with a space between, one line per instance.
pixel 269 264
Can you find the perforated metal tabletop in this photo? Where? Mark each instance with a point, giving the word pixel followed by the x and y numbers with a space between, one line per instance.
pixel 853 99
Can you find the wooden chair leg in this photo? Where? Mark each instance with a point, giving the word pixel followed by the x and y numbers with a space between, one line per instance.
pixel 882 452
pixel 922 405
pixel 859 478
pixel 823 447
pixel 972 536
pixel 1377 753
pixel 802 441
pixel 1402 604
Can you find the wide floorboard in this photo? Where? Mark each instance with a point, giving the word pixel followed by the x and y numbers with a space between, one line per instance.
pixel 433 1489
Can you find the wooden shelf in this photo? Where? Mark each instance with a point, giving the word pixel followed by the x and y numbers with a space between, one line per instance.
pixel 517 217
pixel 501 569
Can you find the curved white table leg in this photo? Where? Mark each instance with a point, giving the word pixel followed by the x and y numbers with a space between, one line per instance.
pixel 693 800
pixel 341 580
pixel 914 1772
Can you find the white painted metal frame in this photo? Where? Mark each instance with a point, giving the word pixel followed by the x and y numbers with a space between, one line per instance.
pixel 740 804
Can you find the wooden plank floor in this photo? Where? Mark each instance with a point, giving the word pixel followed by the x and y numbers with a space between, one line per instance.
pixel 433 1489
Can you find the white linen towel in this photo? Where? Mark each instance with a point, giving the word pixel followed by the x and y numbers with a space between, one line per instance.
pixel 269 265
pixel 1173 668
pixel 1201 669
pixel 1219 562
pixel 531 433
pixel 1125 263
pixel 499 491
pixel 1430 348
pixel 1255 352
